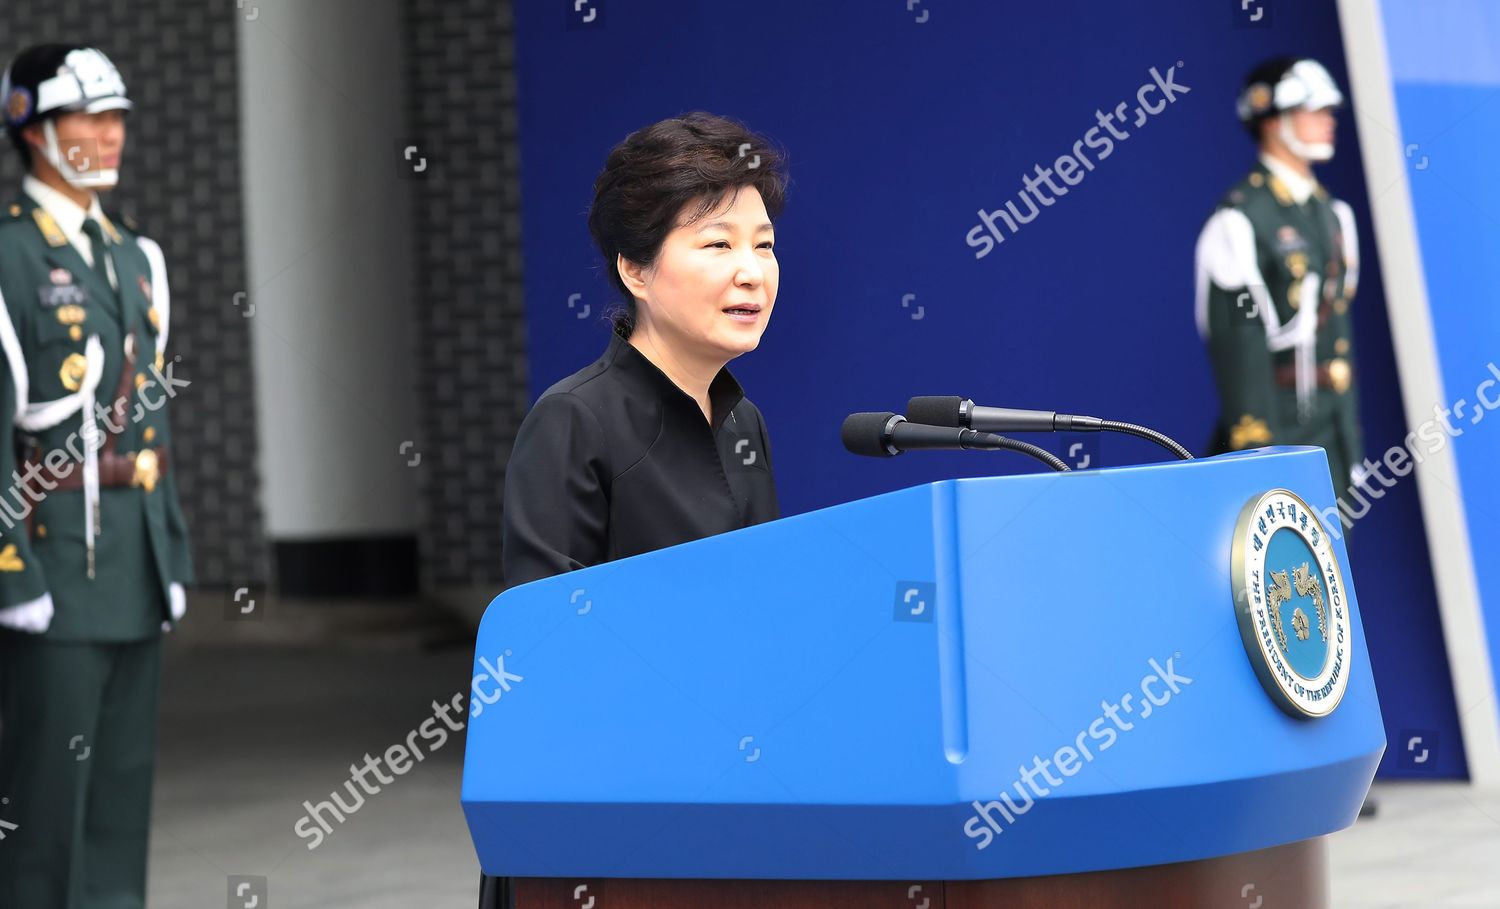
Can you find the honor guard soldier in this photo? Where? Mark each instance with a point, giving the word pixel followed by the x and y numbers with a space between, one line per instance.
pixel 93 547
pixel 1277 265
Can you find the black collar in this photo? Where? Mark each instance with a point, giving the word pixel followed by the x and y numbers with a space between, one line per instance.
pixel 724 392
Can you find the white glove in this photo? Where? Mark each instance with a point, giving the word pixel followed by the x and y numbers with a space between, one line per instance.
pixel 177 598
pixel 33 615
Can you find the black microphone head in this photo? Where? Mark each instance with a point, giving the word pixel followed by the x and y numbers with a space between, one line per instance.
pixel 936 410
pixel 865 433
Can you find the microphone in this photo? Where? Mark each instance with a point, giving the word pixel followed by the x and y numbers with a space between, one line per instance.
pixel 885 435
pixel 951 410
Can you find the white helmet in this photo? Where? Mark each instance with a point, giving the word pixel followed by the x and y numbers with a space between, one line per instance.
pixel 50 79
pixel 1275 88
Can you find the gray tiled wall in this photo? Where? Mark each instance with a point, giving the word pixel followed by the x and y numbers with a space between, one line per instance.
pixel 471 356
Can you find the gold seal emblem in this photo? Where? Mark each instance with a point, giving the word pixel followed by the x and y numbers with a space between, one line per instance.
pixel 73 368
pixel 1293 603
pixel 147 471
pixel 71 314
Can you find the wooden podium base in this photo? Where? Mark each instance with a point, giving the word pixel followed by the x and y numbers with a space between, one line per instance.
pixel 1294 876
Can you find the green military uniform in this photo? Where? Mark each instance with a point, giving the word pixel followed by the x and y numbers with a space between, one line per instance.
pixel 80 625
pixel 1275 278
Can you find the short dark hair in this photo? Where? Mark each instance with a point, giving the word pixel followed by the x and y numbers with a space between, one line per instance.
pixel 656 170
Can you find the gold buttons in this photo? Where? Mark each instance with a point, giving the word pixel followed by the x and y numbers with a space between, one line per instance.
pixel 1340 375
pixel 75 332
pixel 149 434
pixel 1341 346
pixel 41 530
pixel 72 370
pixel 147 470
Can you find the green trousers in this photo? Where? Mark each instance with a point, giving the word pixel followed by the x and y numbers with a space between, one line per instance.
pixel 77 752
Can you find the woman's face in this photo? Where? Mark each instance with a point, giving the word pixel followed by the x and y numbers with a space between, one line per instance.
pixel 714 284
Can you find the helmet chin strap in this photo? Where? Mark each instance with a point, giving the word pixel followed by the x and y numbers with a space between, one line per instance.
pixel 96 179
pixel 1307 151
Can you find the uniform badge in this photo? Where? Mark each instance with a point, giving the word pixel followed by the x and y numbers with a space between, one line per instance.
pixel 1279 190
pixel 1259 98
pixel 71 314
pixel 61 276
pixel 1340 374
pixel 18 105
pixel 1249 431
pixel 109 228
pixel 1288 240
pixel 147 470
pixel 1292 603
pixel 1296 263
pixel 72 371
pixel 48 226
pixel 55 297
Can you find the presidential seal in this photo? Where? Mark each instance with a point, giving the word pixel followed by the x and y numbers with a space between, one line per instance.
pixel 1292 604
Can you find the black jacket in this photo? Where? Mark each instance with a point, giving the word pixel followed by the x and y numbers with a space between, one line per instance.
pixel 616 460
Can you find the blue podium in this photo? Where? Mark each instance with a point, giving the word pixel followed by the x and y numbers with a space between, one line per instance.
pixel 958 684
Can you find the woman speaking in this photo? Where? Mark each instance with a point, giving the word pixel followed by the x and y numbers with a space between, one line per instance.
pixel 654 443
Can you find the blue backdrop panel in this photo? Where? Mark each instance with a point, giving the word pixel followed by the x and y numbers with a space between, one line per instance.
pixel 1446 71
pixel 899 132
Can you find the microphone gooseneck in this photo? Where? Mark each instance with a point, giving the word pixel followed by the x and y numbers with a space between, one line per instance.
pixel 952 410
